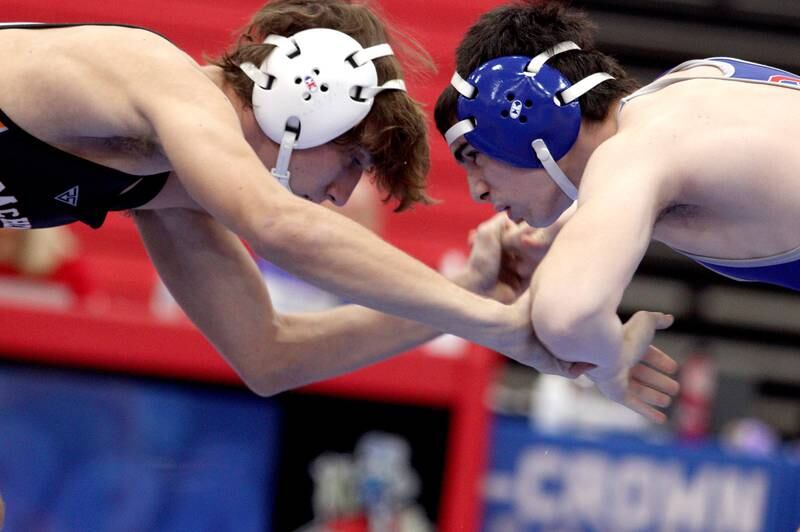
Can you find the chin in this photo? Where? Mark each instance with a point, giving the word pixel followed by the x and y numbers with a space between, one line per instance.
pixel 542 221
pixel 536 222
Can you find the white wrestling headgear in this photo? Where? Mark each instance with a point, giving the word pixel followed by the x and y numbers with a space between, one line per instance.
pixel 313 87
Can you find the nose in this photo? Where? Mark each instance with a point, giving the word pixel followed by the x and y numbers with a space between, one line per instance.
pixel 478 188
pixel 340 190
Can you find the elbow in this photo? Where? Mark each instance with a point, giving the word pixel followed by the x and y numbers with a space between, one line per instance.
pixel 566 327
pixel 267 371
pixel 265 387
pixel 269 382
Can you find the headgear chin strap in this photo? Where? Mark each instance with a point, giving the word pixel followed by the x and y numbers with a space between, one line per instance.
pixel 313 87
pixel 523 112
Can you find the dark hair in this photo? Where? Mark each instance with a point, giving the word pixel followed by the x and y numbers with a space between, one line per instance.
pixel 527 28
pixel 394 132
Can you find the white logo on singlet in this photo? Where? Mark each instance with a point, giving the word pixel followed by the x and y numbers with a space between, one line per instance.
pixel 70 197
pixel 11 217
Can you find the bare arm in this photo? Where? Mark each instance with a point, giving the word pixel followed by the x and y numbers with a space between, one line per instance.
pixel 580 282
pixel 218 285
pixel 200 133
pixel 215 280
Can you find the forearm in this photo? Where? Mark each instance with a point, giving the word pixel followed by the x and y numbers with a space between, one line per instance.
pixel 270 352
pixel 311 347
pixel 321 345
pixel 344 258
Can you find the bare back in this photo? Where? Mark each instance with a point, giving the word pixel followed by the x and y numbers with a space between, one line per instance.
pixel 72 88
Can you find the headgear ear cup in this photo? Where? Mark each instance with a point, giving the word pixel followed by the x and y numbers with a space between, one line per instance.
pixel 313 87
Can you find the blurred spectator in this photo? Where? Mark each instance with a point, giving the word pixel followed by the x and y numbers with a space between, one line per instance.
pixel 751 436
pixel 50 255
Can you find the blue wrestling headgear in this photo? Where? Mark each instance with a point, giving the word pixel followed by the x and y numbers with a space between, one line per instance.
pixel 523 112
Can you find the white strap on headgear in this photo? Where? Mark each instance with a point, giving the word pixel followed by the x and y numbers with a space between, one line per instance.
pixel 583 86
pixel 467 90
pixel 281 170
pixel 370 54
pixel 287 45
pixel 259 77
pixel 371 92
pixel 553 170
pixel 464 87
pixel 537 62
pixel 458 129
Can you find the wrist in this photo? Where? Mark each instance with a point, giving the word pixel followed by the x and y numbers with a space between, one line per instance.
pixel 467 280
pixel 500 323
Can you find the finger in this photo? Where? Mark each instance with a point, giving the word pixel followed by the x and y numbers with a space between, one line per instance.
pixel 614 387
pixel 656 320
pixel 639 333
pixel 664 321
pixel 503 293
pixel 655 379
pixel 659 360
pixel 527 243
pixel 649 395
pixel 510 239
pixel 515 236
pixel 642 408
pixel 579 368
pixel 486 241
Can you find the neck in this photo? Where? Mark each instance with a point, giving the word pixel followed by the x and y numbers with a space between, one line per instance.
pixel 592 135
pixel 250 128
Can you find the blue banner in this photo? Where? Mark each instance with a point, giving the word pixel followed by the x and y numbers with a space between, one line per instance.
pixel 540 482
pixel 95 453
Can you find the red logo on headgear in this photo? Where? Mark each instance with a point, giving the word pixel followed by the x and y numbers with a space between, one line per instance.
pixel 311 85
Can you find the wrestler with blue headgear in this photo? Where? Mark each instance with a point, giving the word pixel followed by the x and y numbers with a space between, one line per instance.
pixel 703 160
pixel 310 94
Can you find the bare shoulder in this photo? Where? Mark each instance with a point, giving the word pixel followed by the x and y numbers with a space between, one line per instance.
pixel 95 74
pixel 630 154
pixel 630 167
pixel 84 44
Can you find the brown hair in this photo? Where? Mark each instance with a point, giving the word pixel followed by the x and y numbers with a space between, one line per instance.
pixel 394 132
pixel 528 27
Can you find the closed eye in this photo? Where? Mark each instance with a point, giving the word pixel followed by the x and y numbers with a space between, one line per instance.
pixel 465 153
pixel 361 158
